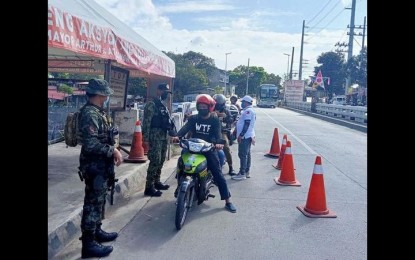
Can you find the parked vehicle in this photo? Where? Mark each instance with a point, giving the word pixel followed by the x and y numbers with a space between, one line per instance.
pixel 339 100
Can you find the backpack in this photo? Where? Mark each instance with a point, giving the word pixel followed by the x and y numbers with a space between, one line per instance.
pixel 71 129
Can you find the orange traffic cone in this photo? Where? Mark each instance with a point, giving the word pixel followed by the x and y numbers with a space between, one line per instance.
pixel 278 165
pixel 315 206
pixel 287 176
pixel 275 145
pixel 137 151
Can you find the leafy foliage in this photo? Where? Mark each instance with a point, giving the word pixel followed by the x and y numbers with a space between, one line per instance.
pixel 65 89
pixel 194 71
pixel 137 87
pixel 333 66
pixel 357 68
pixel 85 77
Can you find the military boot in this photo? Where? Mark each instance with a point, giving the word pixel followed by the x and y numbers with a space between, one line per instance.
pixel 102 236
pixel 91 248
pixel 151 191
pixel 160 186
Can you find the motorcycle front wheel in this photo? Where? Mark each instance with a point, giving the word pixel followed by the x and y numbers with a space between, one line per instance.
pixel 183 205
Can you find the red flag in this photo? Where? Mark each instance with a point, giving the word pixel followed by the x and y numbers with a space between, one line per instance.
pixel 319 80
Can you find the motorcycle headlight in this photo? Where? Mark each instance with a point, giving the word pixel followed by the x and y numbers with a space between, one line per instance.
pixel 187 167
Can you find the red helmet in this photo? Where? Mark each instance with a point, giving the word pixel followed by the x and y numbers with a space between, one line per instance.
pixel 206 99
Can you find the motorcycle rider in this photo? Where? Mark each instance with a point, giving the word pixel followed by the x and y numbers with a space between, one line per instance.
pixel 233 99
pixel 226 120
pixel 207 127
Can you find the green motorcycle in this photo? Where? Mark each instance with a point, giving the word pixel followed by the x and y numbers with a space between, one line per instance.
pixel 193 176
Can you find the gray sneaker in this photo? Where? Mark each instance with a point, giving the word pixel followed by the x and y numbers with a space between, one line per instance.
pixel 247 175
pixel 238 177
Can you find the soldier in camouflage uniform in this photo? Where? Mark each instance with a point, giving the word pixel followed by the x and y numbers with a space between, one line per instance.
pixel 156 126
pixel 97 159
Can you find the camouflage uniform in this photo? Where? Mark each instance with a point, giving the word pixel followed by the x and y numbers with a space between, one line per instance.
pixel 96 163
pixel 157 139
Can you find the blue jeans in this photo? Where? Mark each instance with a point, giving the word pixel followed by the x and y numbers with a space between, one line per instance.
pixel 221 155
pixel 244 154
pixel 216 168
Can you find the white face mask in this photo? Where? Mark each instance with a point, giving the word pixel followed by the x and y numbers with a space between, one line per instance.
pixel 106 102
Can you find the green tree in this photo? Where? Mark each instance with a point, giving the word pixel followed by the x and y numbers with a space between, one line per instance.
pixel 237 77
pixel 357 69
pixel 191 72
pixel 333 66
pixel 85 77
pixel 137 87
pixel 65 89
pixel 273 79
pixel 199 61
pixel 218 90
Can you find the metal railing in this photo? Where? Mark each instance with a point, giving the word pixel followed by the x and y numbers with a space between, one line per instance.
pixel 352 113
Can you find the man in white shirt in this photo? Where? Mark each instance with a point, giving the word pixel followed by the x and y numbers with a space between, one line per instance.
pixel 246 136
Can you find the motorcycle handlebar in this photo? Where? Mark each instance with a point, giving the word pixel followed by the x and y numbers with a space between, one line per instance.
pixel 220 141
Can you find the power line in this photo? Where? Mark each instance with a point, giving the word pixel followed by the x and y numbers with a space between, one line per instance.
pixel 319 11
pixel 312 27
pixel 358 43
pixel 333 28
pixel 339 41
pixel 336 16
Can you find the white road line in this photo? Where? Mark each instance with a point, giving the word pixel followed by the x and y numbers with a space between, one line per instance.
pixel 291 134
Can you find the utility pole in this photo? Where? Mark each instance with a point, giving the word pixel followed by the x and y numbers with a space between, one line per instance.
pixel 351 31
pixel 247 78
pixel 292 61
pixel 287 77
pixel 364 32
pixel 350 45
pixel 300 70
pixel 226 67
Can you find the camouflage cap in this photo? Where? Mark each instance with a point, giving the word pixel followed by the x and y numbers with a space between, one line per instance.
pixel 164 87
pixel 99 87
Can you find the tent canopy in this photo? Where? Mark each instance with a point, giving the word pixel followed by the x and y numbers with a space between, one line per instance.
pixel 83 36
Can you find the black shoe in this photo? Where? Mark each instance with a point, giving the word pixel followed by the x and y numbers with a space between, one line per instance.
pixel 152 192
pixel 91 248
pixel 161 186
pixel 232 173
pixel 102 236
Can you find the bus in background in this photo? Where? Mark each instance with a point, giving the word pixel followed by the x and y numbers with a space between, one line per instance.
pixel 267 95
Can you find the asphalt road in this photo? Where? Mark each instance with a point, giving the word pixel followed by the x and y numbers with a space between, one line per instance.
pixel 268 224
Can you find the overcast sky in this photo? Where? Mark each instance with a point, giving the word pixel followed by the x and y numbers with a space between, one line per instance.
pixel 261 30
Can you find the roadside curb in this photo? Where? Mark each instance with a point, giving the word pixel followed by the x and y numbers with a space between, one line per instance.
pixel 131 179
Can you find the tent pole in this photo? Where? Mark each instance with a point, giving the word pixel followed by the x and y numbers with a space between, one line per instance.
pixel 107 77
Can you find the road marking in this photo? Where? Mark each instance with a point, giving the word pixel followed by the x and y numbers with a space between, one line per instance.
pixel 293 135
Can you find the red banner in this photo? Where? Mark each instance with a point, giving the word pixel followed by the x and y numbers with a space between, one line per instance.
pixel 68 32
